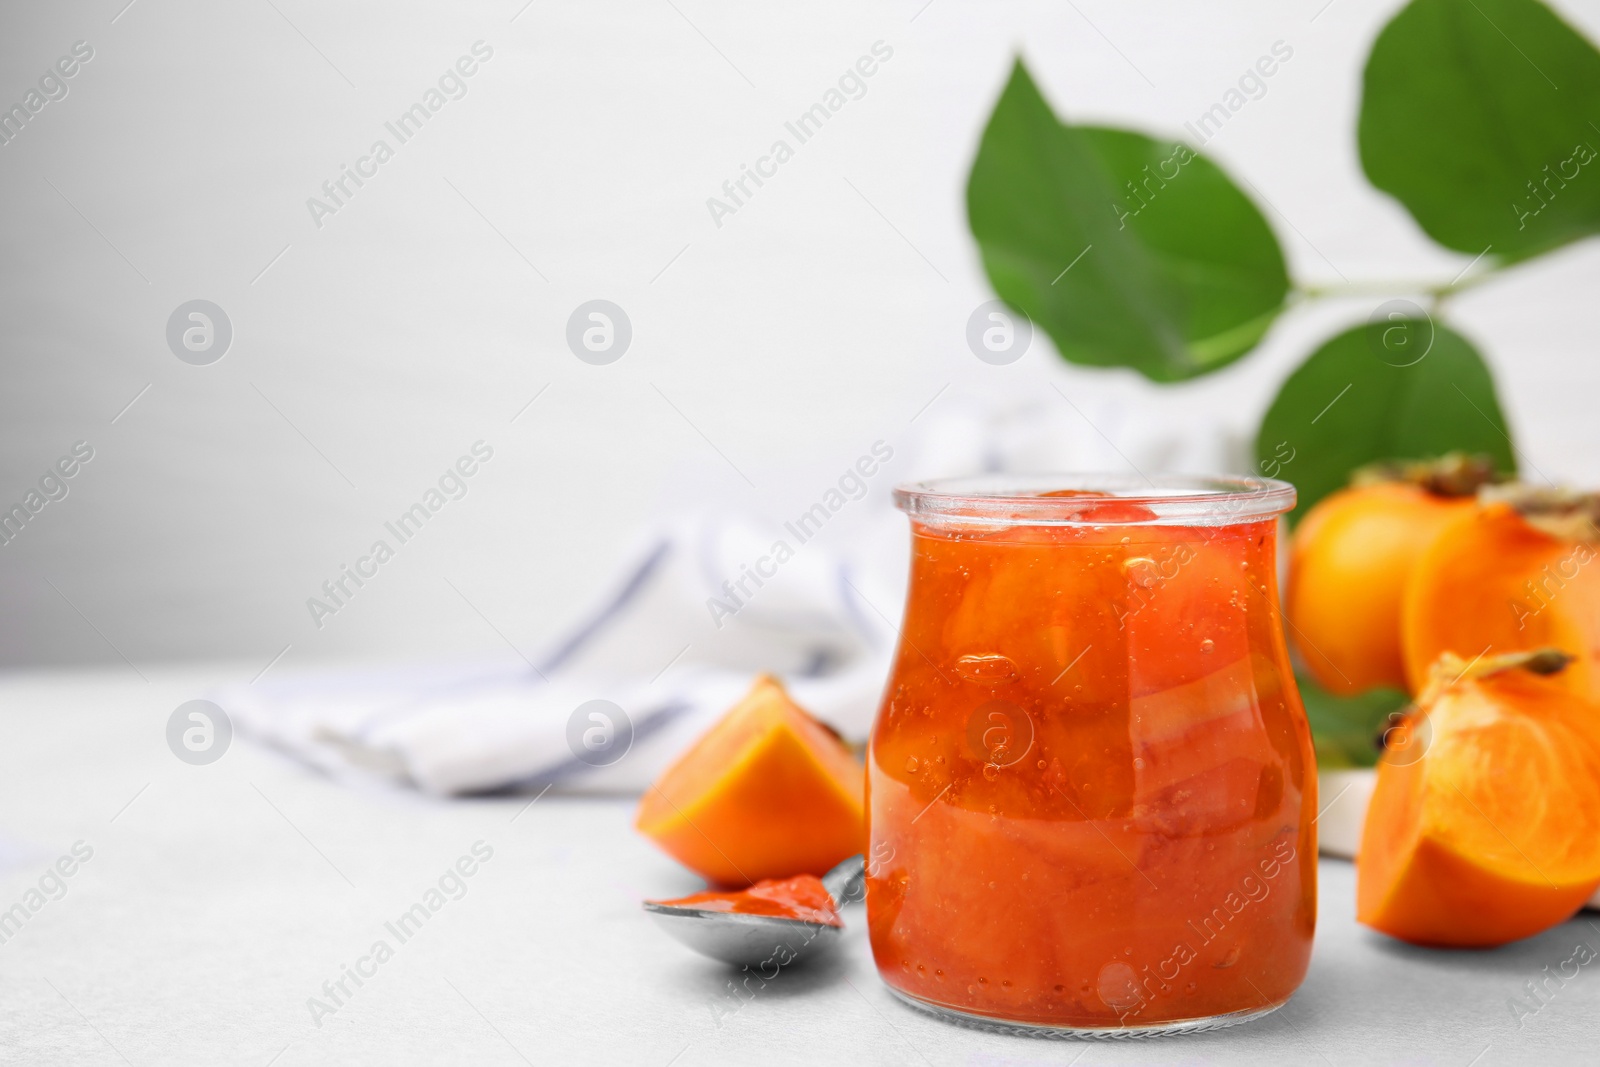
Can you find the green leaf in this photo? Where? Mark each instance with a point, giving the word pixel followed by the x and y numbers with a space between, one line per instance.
pixel 1345 730
pixel 1482 117
pixel 1128 251
pixel 1350 404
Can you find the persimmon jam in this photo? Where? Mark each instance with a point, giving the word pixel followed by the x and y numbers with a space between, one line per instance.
pixel 803 898
pixel 1091 789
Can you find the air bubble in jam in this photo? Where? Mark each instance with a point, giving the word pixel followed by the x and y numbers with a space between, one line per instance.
pixel 987 669
pixel 1207 645
pixel 1142 571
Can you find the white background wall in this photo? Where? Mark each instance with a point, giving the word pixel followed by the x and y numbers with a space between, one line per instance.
pixel 406 328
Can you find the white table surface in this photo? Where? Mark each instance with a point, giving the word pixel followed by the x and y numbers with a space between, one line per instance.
pixel 220 898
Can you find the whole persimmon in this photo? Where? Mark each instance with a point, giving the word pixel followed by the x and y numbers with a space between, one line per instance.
pixel 1515 572
pixel 1484 826
pixel 1350 559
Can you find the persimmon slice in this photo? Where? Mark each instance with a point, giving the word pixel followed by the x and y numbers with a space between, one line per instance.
pixel 1493 832
pixel 768 792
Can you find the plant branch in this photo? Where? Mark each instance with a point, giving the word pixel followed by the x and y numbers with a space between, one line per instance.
pixel 1437 290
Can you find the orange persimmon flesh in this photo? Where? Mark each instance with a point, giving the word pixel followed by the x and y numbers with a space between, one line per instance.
pixel 1493 833
pixel 1491 583
pixel 768 792
pixel 1349 563
pixel 803 898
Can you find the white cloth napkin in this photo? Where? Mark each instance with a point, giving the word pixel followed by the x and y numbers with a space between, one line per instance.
pixel 652 648
pixel 655 646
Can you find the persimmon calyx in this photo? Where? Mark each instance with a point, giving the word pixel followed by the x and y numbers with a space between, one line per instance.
pixel 1454 474
pixel 1562 513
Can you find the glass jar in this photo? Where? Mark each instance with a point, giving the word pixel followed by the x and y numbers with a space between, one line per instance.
pixel 1091 785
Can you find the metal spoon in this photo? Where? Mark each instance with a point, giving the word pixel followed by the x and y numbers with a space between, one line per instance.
pixel 754 940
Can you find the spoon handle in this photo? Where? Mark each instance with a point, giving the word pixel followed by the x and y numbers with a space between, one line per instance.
pixel 847 882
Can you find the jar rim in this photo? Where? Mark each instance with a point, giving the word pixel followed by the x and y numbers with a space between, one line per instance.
pixel 1162 499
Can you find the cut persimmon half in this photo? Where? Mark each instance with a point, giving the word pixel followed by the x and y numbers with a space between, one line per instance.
pixel 768 792
pixel 1484 826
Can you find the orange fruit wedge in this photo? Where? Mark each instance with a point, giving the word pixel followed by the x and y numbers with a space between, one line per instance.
pixel 768 792
pixel 1485 823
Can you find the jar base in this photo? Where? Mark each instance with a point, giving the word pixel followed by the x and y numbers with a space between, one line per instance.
pixel 994 1025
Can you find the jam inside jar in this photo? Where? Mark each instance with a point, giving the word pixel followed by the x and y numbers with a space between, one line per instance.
pixel 1091 785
